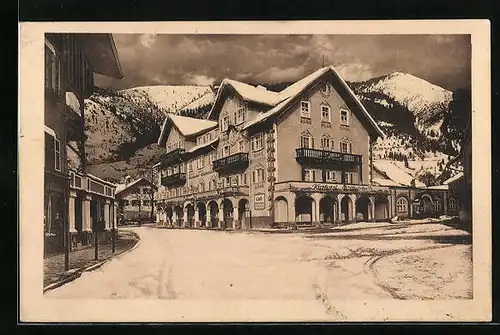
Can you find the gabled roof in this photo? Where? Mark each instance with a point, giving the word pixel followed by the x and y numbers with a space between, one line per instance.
pixel 122 187
pixel 187 126
pixel 289 95
pixel 247 92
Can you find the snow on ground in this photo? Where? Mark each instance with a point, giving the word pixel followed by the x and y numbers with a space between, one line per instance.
pixel 356 262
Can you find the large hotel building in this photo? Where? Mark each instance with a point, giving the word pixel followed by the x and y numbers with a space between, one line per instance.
pixel 302 156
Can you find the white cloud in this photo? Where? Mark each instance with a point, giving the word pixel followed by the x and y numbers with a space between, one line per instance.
pixel 200 80
pixel 148 40
pixel 354 71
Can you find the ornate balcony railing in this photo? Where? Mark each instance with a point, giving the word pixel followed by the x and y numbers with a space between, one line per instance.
pixel 174 179
pixel 307 155
pixel 237 161
pixel 173 156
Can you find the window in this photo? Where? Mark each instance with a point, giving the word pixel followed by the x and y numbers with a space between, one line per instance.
pixel 241 146
pixel 330 176
pixel 402 205
pixel 52 69
pixel 136 202
pixel 327 143
pixel 305 109
pixel 344 117
pixel 345 146
pixel 169 171
pixel 208 137
pixel 437 205
pixel 326 116
pixel 306 141
pixel 234 181
pixel 225 123
pixel 176 169
pixel 190 166
pixel 52 153
pixel 213 156
pixel 225 151
pixel 202 187
pixel 348 176
pixel 452 205
pixel 182 168
pixel 244 178
pixel 240 117
pixel 257 142
pixel 200 162
pixel 309 175
pixel 258 175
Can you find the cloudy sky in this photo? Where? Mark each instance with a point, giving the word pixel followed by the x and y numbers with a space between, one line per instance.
pixel 149 59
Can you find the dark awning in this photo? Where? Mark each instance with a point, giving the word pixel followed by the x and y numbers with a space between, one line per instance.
pixel 102 55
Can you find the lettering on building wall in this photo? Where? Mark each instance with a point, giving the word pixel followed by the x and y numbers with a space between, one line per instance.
pixel 271 166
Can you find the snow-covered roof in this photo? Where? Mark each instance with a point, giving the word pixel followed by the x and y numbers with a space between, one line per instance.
pixel 288 95
pixel 396 174
pixel 196 147
pixel 253 93
pixel 385 182
pixel 122 187
pixel 452 179
pixel 187 126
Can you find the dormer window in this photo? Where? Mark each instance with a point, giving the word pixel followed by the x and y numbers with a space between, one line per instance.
pixel 305 109
pixel 344 117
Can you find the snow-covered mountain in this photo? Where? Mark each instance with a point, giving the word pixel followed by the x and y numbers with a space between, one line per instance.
pixel 123 126
pixel 426 101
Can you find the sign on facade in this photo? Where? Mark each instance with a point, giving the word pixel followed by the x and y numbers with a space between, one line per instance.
pixel 259 201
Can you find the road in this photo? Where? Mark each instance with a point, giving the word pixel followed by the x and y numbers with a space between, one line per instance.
pixel 321 268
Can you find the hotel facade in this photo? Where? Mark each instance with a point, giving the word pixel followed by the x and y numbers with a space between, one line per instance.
pixel 299 157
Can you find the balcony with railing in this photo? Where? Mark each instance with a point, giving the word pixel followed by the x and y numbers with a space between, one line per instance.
pixel 234 162
pixel 173 156
pixel 174 179
pixel 316 156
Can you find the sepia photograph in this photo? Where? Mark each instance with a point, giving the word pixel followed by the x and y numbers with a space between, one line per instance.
pixel 271 175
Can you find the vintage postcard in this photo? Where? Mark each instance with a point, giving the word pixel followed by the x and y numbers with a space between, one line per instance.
pixel 255 171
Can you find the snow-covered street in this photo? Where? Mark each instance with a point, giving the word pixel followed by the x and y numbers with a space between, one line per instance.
pixel 359 261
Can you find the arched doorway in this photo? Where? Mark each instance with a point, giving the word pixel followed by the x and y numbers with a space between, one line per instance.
pixel 179 214
pixel 346 209
pixel 202 214
pixel 362 208
pixel 327 210
pixel 280 210
pixel 426 204
pixel 168 214
pixel 304 210
pixel 244 214
pixel 227 206
pixel 190 215
pixel 381 208
pixel 214 214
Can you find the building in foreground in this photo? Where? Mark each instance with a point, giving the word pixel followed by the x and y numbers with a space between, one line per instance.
pixel 135 199
pixel 302 156
pixel 72 198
